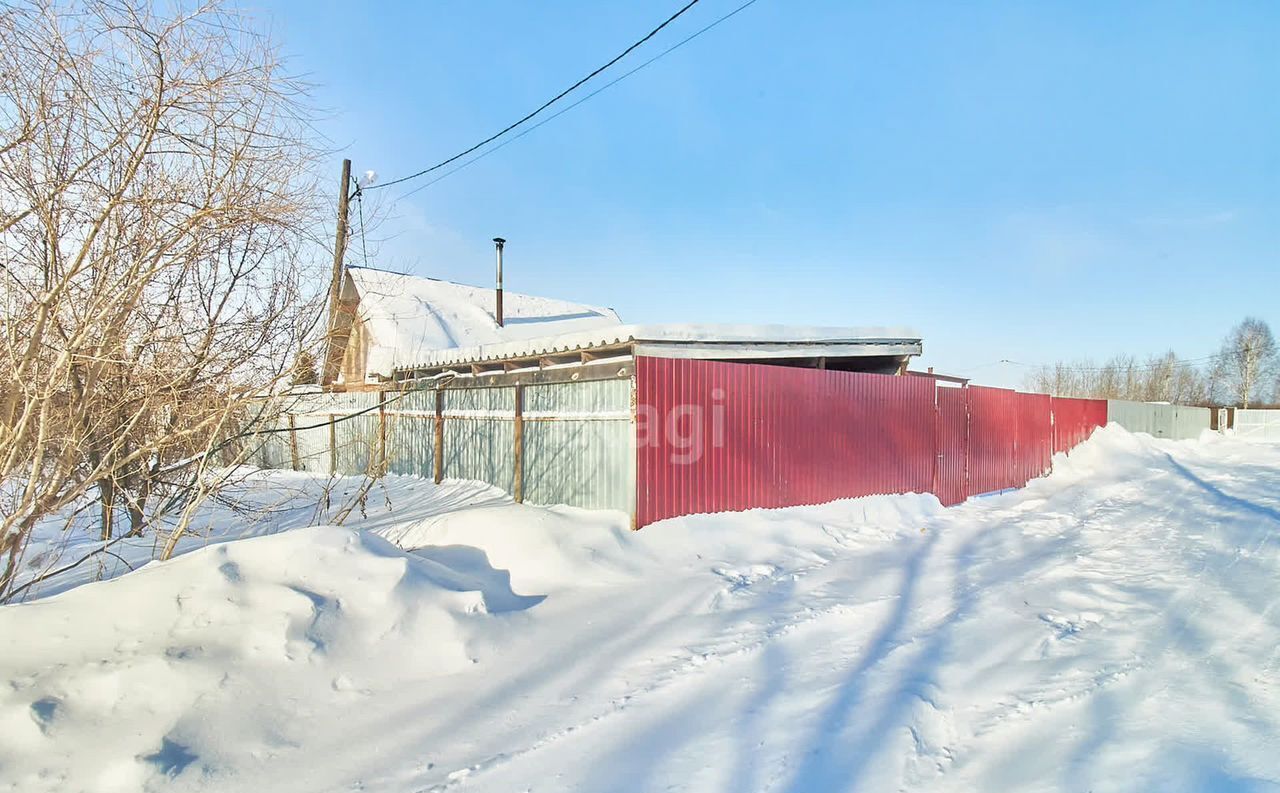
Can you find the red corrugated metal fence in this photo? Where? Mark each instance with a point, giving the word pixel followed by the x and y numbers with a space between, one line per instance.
pixel 714 436
pixel 952 485
pixel 1074 420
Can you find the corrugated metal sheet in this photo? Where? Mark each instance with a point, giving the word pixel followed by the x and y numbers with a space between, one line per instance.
pixel 717 436
pixel 712 436
pixel 1160 420
pixel 357 444
pixel 1074 420
pixel 952 482
pixel 1258 425
pixel 577 449
pixel 993 440
pixel 479 435
pixel 894 341
pixel 1034 448
pixel 310 432
pixel 577 444
pixel 411 434
pixel 1010 438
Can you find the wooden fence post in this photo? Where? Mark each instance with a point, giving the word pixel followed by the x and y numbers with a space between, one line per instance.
pixel 382 433
pixel 438 460
pixel 333 446
pixel 293 444
pixel 517 479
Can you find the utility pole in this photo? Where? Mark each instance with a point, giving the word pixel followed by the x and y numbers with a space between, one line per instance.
pixel 333 356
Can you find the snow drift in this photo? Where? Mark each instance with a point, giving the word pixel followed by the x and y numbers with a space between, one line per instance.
pixel 171 669
pixel 1110 627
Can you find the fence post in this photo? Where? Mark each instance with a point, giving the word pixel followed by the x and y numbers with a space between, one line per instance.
pixel 293 443
pixel 382 433
pixel 438 462
pixel 968 442
pixel 937 443
pixel 517 483
pixel 333 446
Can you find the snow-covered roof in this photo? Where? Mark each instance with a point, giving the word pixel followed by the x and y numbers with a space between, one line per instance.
pixel 694 340
pixel 409 319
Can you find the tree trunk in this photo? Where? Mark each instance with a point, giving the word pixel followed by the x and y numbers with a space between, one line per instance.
pixel 107 499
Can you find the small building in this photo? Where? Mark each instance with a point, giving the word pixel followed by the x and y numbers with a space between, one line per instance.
pixel 392 327
pixel 386 320
pixel 561 403
pixel 558 402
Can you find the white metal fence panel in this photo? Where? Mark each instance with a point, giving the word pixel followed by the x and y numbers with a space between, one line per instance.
pixel 1158 419
pixel 1262 426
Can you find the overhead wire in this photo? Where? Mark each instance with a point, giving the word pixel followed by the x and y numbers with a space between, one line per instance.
pixel 569 107
pixel 541 107
pixel 1183 362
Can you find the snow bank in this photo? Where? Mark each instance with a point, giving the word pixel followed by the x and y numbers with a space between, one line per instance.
pixel 545 549
pixel 1108 628
pixel 170 670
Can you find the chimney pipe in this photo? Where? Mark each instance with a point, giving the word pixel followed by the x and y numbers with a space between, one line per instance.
pixel 498 242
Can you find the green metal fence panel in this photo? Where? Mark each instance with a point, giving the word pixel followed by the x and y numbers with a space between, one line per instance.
pixel 578 447
pixel 479 435
pixel 411 433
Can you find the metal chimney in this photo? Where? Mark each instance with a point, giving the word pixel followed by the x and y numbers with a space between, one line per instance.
pixel 498 242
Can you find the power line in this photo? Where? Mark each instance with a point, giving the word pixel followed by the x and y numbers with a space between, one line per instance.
pixel 544 105
pixel 1150 365
pixel 364 250
pixel 567 108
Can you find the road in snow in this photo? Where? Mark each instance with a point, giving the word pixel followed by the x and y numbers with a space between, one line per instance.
pixel 1109 627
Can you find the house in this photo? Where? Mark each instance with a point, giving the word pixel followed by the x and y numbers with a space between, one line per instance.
pixel 562 403
pixel 392 327
pixel 389 320
pixel 558 402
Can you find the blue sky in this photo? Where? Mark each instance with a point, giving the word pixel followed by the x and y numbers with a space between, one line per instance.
pixel 1022 181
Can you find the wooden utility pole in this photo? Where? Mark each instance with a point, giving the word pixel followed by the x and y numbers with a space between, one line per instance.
pixel 333 355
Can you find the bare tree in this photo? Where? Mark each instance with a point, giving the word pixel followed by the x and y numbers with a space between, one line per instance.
pixel 1161 378
pixel 156 240
pixel 1247 363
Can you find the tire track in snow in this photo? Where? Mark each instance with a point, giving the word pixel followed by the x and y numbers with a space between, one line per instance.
pixel 704 661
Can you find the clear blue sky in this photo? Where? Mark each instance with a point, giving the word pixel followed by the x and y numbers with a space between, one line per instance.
pixel 1024 181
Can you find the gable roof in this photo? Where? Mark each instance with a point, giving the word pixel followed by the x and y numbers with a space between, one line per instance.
pixel 408 318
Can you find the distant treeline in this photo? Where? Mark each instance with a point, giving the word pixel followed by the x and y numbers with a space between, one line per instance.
pixel 1245 372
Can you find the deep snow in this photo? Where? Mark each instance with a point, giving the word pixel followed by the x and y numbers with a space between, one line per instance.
pixel 1110 627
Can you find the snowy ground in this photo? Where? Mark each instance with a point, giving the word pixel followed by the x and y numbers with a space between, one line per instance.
pixel 1108 628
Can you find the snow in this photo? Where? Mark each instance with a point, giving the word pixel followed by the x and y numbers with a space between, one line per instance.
pixel 407 317
pixel 809 336
pixel 413 321
pixel 1109 627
